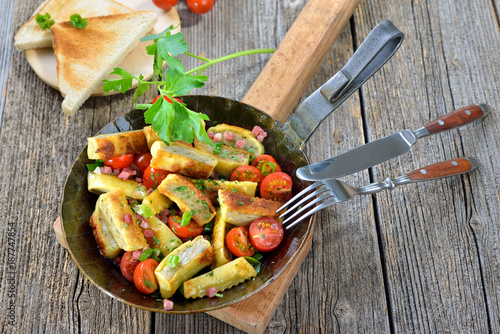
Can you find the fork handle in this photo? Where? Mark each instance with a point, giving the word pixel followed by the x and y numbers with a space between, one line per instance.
pixel 444 169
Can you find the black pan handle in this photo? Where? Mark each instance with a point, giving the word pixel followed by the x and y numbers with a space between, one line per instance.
pixel 377 48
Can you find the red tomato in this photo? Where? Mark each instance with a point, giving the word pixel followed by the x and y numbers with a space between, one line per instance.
pixel 266 164
pixel 247 173
pixel 166 98
pixel 144 276
pixel 120 162
pixel 200 6
pixel 238 243
pixel 142 161
pixel 276 187
pixel 151 177
pixel 127 265
pixel 265 233
pixel 184 232
pixel 165 4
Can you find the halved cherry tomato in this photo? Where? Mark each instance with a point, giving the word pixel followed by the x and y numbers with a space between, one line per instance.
pixel 265 233
pixel 151 177
pixel 200 6
pixel 276 187
pixel 127 265
pixel 120 162
pixel 238 243
pixel 142 161
pixel 184 232
pixel 166 98
pixel 165 4
pixel 247 173
pixel 266 164
pixel 144 276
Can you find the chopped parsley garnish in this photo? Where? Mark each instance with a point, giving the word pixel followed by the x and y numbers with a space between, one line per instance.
pixel 97 163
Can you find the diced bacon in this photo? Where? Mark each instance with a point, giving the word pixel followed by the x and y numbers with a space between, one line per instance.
pixel 136 254
pixel 130 201
pixel 150 190
pixel 148 233
pixel 106 170
pixel 218 137
pixel 164 216
pixel 158 216
pixel 263 134
pixel 144 224
pixel 210 135
pixel 260 138
pixel 116 172
pixel 213 175
pixel 141 218
pixel 211 292
pixel 97 170
pixel 178 212
pixel 128 218
pixel 168 305
pixel 228 135
pixel 127 173
pixel 138 179
pixel 257 130
pixel 240 143
pixel 117 260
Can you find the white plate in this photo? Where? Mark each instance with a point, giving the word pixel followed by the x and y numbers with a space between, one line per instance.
pixel 43 61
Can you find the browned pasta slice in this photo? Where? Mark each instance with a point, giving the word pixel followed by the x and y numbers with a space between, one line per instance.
pixel 222 254
pixel 105 241
pixel 192 257
pixel 103 183
pixel 157 202
pixel 151 136
pixel 167 240
pixel 252 145
pixel 221 278
pixel 114 207
pixel 211 187
pixel 227 160
pixel 113 145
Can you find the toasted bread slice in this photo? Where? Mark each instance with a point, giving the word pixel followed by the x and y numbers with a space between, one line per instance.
pixel 239 209
pixel 86 56
pixel 31 36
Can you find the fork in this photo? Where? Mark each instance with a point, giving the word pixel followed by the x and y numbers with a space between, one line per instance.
pixel 327 192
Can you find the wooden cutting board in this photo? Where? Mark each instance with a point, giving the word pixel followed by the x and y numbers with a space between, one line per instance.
pixel 276 92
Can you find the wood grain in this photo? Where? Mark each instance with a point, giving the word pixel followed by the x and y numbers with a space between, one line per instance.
pixel 455 118
pixel 422 258
pixel 441 169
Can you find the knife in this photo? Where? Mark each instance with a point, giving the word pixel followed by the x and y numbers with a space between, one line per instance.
pixel 384 149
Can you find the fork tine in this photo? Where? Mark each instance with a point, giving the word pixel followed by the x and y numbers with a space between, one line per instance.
pixel 303 200
pixel 308 205
pixel 296 197
pixel 316 209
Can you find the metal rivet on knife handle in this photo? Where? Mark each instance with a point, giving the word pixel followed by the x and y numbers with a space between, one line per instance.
pixel 458 118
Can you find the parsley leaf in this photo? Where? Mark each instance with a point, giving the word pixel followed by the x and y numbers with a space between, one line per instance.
pixel 44 21
pixel 77 21
pixel 97 163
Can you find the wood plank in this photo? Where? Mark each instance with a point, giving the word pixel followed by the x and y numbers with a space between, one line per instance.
pixel 443 274
pixel 7 28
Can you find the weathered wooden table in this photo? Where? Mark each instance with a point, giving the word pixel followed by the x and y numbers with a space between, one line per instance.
pixel 422 258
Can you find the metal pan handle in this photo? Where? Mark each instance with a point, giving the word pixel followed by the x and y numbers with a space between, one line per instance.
pixel 378 47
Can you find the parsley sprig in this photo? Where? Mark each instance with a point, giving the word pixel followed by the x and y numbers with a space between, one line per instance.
pixel 171 119
pixel 77 21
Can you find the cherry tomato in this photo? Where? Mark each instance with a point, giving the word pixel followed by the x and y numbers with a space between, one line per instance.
pixel 165 4
pixel 166 98
pixel 276 187
pixel 142 161
pixel 127 265
pixel 266 164
pixel 247 173
pixel 151 177
pixel 265 233
pixel 200 6
pixel 120 162
pixel 144 276
pixel 238 243
pixel 184 232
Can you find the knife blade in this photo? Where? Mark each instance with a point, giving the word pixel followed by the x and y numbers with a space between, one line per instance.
pixel 389 147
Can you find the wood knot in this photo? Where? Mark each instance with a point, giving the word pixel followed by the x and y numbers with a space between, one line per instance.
pixel 342 310
pixel 476 223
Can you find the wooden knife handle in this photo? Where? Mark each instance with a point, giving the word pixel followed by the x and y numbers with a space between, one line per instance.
pixel 444 169
pixel 458 118
pixel 285 77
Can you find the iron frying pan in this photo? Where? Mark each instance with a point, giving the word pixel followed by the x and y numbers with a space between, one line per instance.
pixel 284 142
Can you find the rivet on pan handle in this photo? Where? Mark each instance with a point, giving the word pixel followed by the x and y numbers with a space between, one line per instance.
pixel 378 47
